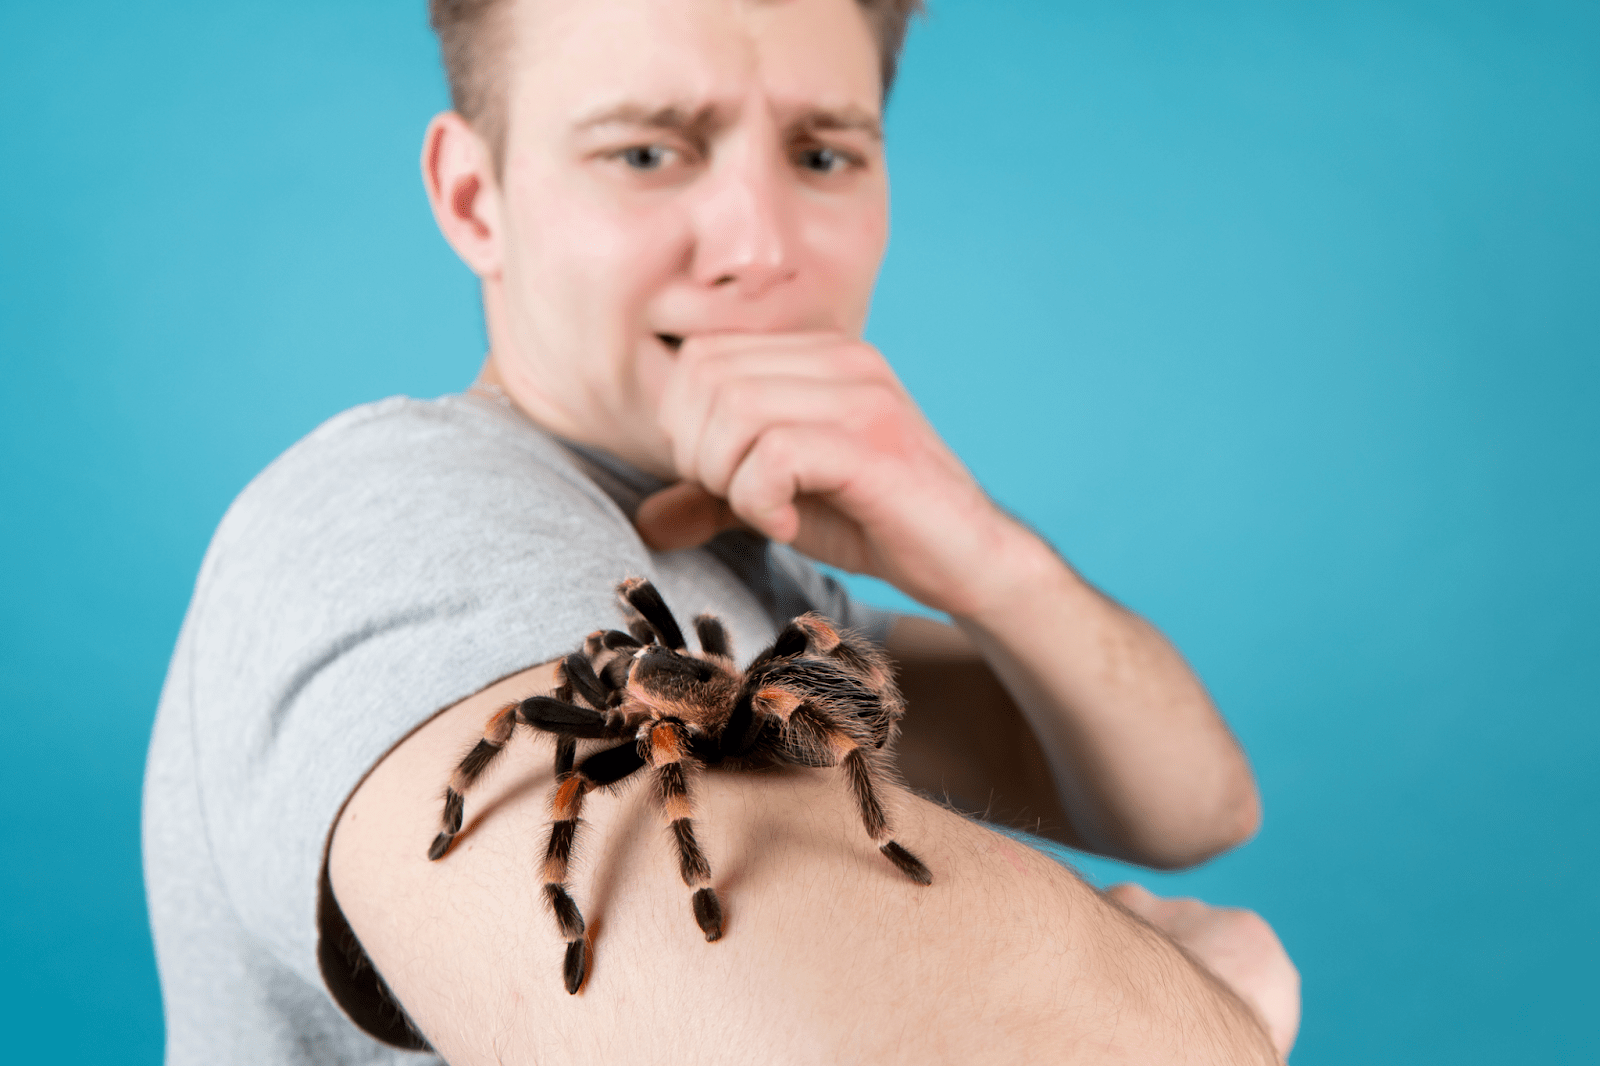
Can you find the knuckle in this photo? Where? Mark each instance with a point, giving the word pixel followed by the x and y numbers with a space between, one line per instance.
pixel 862 357
pixel 777 450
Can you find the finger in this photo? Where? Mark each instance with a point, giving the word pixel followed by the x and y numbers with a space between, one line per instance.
pixel 701 375
pixel 748 407
pixel 786 462
pixel 680 516
pixel 702 369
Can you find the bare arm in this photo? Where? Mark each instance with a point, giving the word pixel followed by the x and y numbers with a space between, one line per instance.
pixel 811 439
pixel 829 956
pixel 1137 763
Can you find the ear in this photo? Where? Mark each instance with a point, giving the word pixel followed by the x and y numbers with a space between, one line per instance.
pixel 458 173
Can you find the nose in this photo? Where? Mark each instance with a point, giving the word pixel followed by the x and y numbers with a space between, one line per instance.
pixel 744 220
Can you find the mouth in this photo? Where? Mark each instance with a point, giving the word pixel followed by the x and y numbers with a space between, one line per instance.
pixel 671 340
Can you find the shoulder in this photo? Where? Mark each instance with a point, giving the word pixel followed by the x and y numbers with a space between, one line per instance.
pixel 436 458
pixel 399 558
pixel 410 495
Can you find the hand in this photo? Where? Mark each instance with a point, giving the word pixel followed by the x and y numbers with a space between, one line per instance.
pixel 810 439
pixel 1237 946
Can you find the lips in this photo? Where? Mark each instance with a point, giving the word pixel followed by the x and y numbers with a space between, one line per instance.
pixel 671 340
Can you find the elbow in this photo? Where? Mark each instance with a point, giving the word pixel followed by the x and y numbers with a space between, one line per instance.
pixel 1231 819
pixel 1237 821
pixel 1234 820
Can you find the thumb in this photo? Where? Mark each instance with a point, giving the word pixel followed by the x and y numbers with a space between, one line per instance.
pixel 683 515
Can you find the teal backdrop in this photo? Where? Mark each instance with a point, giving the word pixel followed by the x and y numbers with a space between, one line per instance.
pixel 1282 319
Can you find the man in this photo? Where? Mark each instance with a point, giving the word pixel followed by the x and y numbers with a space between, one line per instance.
pixel 677 210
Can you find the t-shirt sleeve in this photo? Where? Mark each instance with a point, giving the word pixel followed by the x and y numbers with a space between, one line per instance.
pixel 393 563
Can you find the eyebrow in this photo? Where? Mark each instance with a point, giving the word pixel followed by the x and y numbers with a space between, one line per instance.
pixel 701 121
pixel 847 119
pixel 672 117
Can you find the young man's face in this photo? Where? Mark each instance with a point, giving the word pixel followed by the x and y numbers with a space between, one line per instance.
pixel 676 168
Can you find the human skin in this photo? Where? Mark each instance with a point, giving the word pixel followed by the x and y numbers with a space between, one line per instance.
pixel 683 283
pixel 753 230
pixel 1234 944
pixel 829 955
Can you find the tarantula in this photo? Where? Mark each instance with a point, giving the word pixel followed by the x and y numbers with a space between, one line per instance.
pixel 819 696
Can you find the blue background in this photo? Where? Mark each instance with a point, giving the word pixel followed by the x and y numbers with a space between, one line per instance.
pixel 1280 318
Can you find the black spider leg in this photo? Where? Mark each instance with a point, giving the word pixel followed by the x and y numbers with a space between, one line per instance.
pixel 713 636
pixel 577 678
pixel 613 639
pixel 550 714
pixel 862 769
pixel 603 768
pixel 742 729
pixel 668 746
pixel 642 596
pixel 496 732
pixel 579 674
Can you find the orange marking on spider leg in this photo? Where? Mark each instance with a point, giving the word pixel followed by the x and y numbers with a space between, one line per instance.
pixel 568 803
pixel 677 807
pixel 841 744
pixel 824 638
pixel 776 701
pixel 664 746
pixel 498 729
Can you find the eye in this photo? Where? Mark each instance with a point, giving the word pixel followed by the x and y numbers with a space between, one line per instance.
pixel 822 160
pixel 644 156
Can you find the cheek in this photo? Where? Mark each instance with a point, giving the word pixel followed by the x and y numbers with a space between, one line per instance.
pixel 600 261
pixel 593 270
pixel 652 365
pixel 849 247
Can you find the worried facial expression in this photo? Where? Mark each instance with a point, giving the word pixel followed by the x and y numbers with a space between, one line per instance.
pixel 676 168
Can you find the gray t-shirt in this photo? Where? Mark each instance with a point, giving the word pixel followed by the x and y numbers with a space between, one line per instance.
pixel 402 557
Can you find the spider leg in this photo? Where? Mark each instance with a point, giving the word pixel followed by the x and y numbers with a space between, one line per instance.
pixel 545 713
pixel 642 596
pixel 612 640
pixel 495 734
pixel 668 746
pixel 863 769
pixel 713 636
pixel 551 715
pixel 578 673
pixel 602 768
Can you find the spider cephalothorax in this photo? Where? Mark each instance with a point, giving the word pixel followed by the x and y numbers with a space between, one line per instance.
pixel 819 696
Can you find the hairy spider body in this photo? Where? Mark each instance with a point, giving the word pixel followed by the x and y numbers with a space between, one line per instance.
pixel 818 696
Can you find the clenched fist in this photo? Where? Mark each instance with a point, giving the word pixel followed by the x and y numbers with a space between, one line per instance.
pixel 810 439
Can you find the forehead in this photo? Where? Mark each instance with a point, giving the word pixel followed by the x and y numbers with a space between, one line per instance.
pixel 571 58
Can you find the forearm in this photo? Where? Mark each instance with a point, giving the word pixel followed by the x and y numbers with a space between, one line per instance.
pixel 828 955
pixel 810 438
pixel 1147 769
